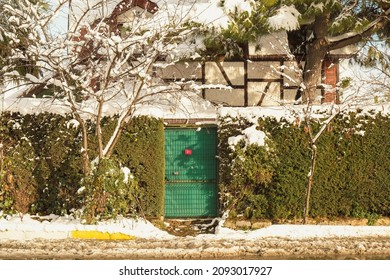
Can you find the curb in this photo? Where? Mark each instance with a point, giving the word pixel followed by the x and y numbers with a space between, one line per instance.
pixel 93 234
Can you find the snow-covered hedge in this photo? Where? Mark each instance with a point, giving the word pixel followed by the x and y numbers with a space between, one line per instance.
pixel 352 178
pixel 42 168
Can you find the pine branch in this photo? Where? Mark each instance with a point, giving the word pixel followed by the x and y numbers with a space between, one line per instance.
pixel 351 38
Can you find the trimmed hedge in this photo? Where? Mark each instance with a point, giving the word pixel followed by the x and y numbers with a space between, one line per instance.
pixel 42 155
pixel 352 177
pixel 41 152
pixel 42 167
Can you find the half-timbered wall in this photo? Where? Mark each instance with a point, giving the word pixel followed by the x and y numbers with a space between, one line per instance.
pixel 270 76
pixel 252 82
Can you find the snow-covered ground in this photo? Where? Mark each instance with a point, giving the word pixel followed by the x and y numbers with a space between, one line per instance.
pixel 60 227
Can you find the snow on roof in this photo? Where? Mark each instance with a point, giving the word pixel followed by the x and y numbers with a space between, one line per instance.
pixel 179 105
pixel 275 43
pixel 187 105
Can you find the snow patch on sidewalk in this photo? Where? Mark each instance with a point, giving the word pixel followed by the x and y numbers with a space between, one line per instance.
pixel 60 227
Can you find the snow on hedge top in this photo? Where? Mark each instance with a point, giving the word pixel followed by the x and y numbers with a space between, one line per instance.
pixel 250 135
pixel 177 105
pixel 286 18
pixel 252 114
pixel 383 109
pixel 293 113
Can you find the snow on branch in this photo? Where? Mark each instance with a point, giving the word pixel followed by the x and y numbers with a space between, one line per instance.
pixel 349 38
pixel 286 18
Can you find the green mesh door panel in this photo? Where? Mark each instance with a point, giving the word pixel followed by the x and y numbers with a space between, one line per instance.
pixel 187 200
pixel 200 164
pixel 190 172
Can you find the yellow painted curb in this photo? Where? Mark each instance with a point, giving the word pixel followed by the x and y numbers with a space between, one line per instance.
pixel 93 234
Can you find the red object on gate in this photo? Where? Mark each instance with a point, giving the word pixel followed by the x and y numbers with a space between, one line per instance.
pixel 188 152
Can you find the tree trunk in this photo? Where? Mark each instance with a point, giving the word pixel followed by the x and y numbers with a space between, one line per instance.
pixel 310 178
pixel 84 150
pixel 316 52
pixel 99 129
pixel 312 72
pixel 109 149
pixel 313 148
pixel 84 153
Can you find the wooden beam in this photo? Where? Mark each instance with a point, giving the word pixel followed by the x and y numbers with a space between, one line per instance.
pixel 225 76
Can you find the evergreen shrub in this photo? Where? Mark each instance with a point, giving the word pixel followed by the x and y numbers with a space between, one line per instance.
pixel 245 171
pixel 109 193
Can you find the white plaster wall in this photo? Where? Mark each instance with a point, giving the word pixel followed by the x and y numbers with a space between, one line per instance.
pixel 234 70
pixel 289 95
pixel 234 97
pixel 263 70
pixel 271 97
pixel 292 74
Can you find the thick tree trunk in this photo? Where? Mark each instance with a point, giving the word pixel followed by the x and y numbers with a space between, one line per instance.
pixel 317 50
pixel 312 72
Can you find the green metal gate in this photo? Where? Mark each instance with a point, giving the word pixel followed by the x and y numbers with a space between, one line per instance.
pixel 190 172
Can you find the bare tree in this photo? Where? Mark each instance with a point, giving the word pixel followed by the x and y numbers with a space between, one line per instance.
pixel 101 61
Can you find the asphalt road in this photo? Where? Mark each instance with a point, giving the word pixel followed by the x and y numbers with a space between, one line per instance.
pixel 192 248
